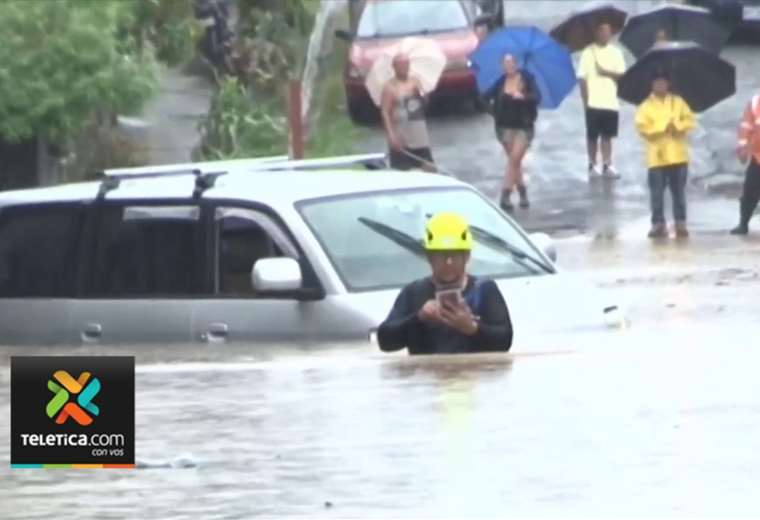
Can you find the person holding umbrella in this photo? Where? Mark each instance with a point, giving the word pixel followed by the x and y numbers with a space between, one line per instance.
pixel 664 119
pixel 514 100
pixel 601 66
pixel 403 112
pixel 519 69
pixel 749 151
pixel 398 82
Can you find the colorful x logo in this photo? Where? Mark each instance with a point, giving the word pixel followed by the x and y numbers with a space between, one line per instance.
pixel 84 388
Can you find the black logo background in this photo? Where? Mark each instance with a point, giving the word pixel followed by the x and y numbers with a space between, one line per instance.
pixel 30 395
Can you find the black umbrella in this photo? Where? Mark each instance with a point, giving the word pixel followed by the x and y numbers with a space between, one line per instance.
pixel 578 31
pixel 697 75
pixel 679 23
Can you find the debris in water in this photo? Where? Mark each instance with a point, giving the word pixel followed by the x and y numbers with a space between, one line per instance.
pixel 181 462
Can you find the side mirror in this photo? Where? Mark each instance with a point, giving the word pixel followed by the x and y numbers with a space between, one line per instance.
pixel 276 275
pixel 344 35
pixel 545 243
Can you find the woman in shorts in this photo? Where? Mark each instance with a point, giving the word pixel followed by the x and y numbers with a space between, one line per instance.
pixel 515 100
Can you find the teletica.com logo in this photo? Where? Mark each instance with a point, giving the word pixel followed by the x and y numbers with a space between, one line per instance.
pixel 81 391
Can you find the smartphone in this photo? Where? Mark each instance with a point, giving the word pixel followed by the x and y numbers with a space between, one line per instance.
pixel 449 297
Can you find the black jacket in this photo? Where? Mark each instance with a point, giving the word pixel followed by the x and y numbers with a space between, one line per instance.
pixel 509 112
pixel 403 329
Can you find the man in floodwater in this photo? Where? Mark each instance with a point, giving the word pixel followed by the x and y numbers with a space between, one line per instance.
pixel 449 312
pixel 403 112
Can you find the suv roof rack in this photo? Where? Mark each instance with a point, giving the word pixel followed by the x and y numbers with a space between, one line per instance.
pixel 206 173
pixel 371 161
pixel 172 169
pixel 203 180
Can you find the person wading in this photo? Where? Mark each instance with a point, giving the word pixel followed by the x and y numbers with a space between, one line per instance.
pixel 403 113
pixel 664 120
pixel 601 66
pixel 424 322
pixel 515 100
pixel 749 150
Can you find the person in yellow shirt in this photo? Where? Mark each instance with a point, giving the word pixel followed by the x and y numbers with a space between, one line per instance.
pixel 664 119
pixel 600 67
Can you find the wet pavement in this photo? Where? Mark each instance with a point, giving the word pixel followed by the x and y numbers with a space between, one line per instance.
pixel 602 427
pixel 563 201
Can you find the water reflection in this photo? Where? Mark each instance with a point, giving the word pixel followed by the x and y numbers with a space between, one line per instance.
pixel 637 427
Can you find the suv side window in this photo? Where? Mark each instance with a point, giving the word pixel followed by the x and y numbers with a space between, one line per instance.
pixel 38 251
pixel 243 237
pixel 148 250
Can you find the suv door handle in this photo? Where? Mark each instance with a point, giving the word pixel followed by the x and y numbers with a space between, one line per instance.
pixel 217 331
pixel 92 331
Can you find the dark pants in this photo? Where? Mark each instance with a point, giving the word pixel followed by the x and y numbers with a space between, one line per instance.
pixel 399 160
pixel 673 177
pixel 750 192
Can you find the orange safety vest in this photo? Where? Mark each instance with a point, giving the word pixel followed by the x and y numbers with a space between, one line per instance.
pixel 749 129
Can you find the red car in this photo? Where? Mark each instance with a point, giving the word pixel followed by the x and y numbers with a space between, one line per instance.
pixel 457 26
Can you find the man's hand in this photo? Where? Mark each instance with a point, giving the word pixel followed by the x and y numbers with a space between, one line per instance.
pixel 742 152
pixel 607 73
pixel 430 312
pixel 671 128
pixel 460 318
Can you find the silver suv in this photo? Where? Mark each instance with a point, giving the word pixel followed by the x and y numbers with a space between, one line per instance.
pixel 259 250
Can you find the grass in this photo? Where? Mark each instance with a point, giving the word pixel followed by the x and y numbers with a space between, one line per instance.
pixel 333 133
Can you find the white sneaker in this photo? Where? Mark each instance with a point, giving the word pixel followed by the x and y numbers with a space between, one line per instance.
pixel 594 171
pixel 610 172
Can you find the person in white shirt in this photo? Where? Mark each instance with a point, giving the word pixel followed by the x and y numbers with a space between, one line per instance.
pixel 601 66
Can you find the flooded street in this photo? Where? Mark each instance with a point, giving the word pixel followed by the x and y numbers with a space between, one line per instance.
pixel 625 427
pixel 659 418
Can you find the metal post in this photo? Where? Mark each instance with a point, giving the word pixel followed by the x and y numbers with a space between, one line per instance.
pixel 295 121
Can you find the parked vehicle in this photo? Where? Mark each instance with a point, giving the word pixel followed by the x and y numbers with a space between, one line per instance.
pixel 251 251
pixel 376 25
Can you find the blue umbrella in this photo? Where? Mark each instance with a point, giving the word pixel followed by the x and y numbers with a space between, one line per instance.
pixel 535 51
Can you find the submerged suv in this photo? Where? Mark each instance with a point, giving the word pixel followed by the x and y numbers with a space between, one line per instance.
pixel 250 251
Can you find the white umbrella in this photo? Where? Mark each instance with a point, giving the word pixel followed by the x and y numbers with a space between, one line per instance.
pixel 426 64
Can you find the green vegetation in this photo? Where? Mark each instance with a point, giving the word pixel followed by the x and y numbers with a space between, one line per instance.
pixel 333 132
pixel 168 26
pixel 248 116
pixel 63 62
pixel 68 67
pixel 238 127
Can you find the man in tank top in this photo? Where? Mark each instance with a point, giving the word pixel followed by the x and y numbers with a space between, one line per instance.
pixel 403 112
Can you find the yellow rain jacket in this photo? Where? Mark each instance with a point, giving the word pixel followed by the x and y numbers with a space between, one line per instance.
pixel 665 148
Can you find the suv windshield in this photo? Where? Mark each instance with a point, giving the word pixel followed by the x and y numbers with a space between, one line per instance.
pixel 403 17
pixel 373 239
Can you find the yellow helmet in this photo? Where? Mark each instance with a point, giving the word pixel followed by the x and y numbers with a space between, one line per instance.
pixel 447 232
